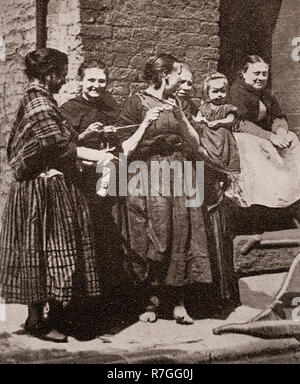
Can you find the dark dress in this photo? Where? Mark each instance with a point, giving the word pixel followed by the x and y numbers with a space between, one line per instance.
pixel 46 243
pixel 166 242
pixel 247 99
pixel 80 113
pixel 220 143
pixel 219 225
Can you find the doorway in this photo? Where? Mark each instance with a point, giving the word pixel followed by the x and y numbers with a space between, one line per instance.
pixel 246 27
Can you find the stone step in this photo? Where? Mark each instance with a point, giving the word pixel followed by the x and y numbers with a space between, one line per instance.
pixel 269 258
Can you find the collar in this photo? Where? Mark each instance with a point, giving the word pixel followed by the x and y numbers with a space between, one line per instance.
pixel 38 86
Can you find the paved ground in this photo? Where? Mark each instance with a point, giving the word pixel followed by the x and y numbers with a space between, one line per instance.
pixel 161 342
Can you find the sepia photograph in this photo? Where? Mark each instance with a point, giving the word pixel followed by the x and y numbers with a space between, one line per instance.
pixel 150 184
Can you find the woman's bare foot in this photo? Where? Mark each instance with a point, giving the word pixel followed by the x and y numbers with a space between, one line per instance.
pixel 148 317
pixel 181 316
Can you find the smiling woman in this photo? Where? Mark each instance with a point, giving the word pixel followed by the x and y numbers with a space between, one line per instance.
pixel 46 242
pixel 269 151
pixel 93 80
pixel 91 115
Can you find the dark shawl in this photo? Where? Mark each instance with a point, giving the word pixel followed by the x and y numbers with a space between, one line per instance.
pixel 40 139
pixel 246 99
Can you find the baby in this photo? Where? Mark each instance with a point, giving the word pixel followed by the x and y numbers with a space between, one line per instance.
pixel 218 118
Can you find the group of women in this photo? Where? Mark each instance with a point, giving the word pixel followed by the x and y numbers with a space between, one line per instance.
pixel 62 242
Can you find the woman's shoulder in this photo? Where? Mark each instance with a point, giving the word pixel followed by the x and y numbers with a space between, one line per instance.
pixel 74 104
pixel 131 112
pixel 38 100
pixel 133 102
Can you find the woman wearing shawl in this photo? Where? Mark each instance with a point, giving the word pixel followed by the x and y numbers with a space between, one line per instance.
pixel 46 244
pixel 269 151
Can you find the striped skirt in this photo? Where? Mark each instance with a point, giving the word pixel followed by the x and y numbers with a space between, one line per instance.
pixel 46 243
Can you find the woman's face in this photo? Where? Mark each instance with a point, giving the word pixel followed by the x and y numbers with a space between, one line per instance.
pixel 56 81
pixel 93 83
pixel 186 83
pixel 257 75
pixel 173 79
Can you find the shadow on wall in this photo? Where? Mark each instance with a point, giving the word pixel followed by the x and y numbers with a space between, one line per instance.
pixel 246 27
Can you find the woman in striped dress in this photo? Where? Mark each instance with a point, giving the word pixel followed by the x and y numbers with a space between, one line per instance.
pixel 46 243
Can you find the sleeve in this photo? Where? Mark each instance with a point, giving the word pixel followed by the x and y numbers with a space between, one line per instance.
pixel 52 135
pixel 131 113
pixel 246 110
pixel 252 129
pixel 279 123
pixel 229 108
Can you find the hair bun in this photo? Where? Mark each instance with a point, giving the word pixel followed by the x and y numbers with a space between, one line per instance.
pixel 39 63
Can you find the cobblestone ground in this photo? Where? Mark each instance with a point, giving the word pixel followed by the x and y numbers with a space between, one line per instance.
pixel 161 342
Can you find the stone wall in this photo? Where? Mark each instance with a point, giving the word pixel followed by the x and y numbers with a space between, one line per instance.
pixel 286 61
pixel 124 33
pixel 17 25
pixel 63 33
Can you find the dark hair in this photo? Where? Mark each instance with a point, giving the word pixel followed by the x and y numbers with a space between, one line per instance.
pixel 156 66
pixel 44 61
pixel 250 59
pixel 91 63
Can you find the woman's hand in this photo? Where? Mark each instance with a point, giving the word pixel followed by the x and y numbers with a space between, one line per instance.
pixel 109 129
pixel 92 129
pixel 130 144
pixel 152 114
pixel 213 124
pixel 178 111
pixel 105 155
pixel 280 141
pixel 95 155
pixel 286 134
pixel 200 118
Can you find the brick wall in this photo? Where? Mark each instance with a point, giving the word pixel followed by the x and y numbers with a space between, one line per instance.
pixel 126 32
pixel 17 24
pixel 285 70
pixel 63 33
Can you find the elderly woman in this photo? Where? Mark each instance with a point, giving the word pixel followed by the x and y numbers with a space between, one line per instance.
pixel 218 210
pixel 166 238
pixel 269 152
pixel 46 244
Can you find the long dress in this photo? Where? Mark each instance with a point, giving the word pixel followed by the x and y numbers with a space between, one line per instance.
pixel 220 143
pixel 80 113
pixel 220 219
pixel 46 242
pixel 166 241
pixel 269 176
